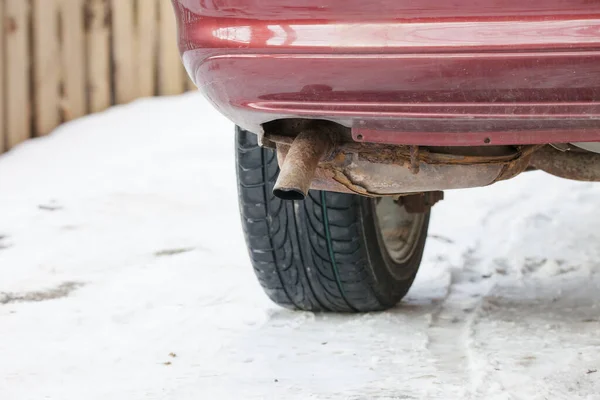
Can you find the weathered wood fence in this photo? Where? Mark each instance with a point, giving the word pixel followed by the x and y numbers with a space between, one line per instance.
pixel 62 59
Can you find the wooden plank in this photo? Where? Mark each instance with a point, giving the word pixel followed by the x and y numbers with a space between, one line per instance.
pixel 74 98
pixel 98 55
pixel 46 66
pixel 2 94
pixel 171 76
pixel 148 31
pixel 124 48
pixel 18 123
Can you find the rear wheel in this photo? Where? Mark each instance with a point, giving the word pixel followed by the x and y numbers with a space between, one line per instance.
pixel 332 251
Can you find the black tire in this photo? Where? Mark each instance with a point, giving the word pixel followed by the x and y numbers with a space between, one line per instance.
pixel 326 253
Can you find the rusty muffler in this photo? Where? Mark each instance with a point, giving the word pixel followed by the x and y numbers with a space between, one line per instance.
pixel 301 161
pixel 320 160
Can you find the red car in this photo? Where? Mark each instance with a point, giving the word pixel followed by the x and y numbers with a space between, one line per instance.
pixel 377 107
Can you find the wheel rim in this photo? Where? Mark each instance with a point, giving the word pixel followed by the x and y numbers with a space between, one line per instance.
pixel 397 230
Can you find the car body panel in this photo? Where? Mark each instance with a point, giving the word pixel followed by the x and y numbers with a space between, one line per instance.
pixel 405 72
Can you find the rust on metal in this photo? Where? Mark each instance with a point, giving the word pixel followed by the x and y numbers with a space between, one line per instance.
pixel 576 165
pixel 393 154
pixel 300 163
pixel 520 164
pixel 374 170
pixel 421 202
pixel 414 159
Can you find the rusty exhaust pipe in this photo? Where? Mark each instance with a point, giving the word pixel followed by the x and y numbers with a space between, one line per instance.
pixel 300 164
pixel 575 165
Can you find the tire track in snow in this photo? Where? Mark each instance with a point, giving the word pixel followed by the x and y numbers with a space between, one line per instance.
pixel 453 325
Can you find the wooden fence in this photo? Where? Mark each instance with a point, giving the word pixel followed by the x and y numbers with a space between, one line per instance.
pixel 62 59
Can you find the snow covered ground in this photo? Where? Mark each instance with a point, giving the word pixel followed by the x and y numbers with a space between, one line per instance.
pixel 123 275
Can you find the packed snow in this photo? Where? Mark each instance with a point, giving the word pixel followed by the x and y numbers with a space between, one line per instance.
pixel 124 275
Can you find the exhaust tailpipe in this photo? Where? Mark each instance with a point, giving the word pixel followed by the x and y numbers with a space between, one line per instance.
pixel 300 164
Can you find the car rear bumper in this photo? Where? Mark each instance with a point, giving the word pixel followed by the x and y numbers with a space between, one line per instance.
pixel 488 78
